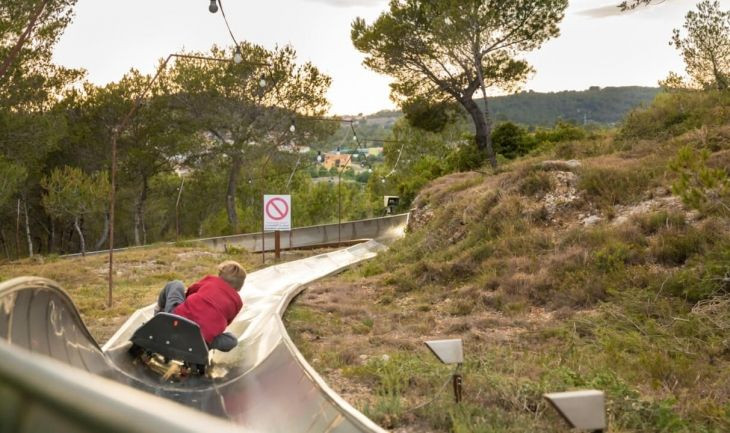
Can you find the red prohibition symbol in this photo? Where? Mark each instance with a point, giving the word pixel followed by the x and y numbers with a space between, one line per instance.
pixel 277 209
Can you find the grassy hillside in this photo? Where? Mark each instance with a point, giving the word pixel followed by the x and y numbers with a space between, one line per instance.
pixel 558 276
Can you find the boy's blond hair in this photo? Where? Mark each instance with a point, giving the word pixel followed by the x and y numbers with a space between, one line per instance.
pixel 232 273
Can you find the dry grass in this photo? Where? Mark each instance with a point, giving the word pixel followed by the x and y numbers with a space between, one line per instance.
pixel 139 276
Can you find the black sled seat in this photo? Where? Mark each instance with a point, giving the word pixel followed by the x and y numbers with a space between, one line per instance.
pixel 173 337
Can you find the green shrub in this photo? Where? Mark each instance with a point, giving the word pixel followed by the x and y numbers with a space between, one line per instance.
pixel 371 267
pixel 672 114
pixel 673 247
pixel 465 158
pixel 613 257
pixel 419 174
pixel 461 307
pixel 651 223
pixel 562 131
pixel 701 187
pixel 511 140
pixel 537 183
pixel 565 150
pixel 703 277
pixel 612 186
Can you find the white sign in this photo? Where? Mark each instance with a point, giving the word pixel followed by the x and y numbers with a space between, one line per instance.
pixel 277 212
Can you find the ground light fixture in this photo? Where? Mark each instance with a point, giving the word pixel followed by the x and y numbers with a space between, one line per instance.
pixel 584 410
pixel 450 352
pixel 292 127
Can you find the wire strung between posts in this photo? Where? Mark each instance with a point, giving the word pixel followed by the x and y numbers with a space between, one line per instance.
pixel 435 396
pixel 225 19
pixel 288 182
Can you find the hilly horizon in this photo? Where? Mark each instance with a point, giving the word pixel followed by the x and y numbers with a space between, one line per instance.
pixel 595 105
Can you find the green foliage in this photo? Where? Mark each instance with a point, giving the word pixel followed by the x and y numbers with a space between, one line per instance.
pixel 700 186
pixel 433 117
pixel 672 114
pixel 412 42
pixel 652 223
pixel 32 82
pixel 704 277
pixel 613 257
pixel 511 140
pixel 612 186
pixel 562 131
pixel 71 192
pixel 706 46
pixel 465 158
pixel 536 183
pixel 229 104
pixel 423 171
pixel 673 247
pixel 391 377
pixel 633 4
pixel 12 176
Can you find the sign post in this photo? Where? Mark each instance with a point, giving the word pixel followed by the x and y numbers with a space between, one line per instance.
pixel 277 217
pixel 277 245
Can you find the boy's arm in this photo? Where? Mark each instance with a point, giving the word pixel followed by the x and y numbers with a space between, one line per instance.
pixel 230 319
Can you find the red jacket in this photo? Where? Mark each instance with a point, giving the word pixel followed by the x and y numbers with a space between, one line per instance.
pixel 212 304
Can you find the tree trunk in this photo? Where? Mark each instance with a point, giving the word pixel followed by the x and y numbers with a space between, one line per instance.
pixel 483 128
pixel 27 230
pixel 16 50
pixel 66 238
pixel 5 244
pixel 52 236
pixel 81 236
pixel 231 192
pixel 104 233
pixel 139 225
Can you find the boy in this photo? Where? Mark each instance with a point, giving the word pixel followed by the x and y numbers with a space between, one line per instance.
pixel 212 303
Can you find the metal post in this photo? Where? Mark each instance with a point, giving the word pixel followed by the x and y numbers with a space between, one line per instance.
pixel 115 134
pixel 277 244
pixel 17 234
pixel 177 210
pixel 457 380
pixel 263 241
pixel 339 207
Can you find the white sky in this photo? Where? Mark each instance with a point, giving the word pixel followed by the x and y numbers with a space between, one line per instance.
pixel 108 37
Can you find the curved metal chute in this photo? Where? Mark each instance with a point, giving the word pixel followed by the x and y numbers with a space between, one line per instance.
pixel 262 385
pixel 38 316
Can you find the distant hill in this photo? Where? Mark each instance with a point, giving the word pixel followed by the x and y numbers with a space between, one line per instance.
pixel 596 105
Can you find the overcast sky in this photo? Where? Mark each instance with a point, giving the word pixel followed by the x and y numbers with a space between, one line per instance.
pixel 596 47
